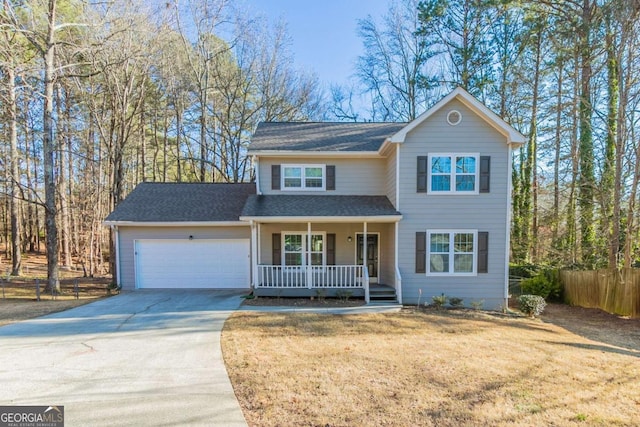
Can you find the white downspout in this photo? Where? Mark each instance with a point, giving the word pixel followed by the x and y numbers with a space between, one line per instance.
pixel 254 255
pixel 397 267
pixel 508 230
pixel 256 168
pixel 397 227
pixel 397 177
pixel 117 247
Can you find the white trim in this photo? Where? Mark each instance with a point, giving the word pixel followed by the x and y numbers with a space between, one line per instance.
pixel 328 219
pixel 364 251
pixel 117 247
pixel 259 244
pixel 512 135
pixel 453 174
pixel 303 167
pixel 306 153
pixel 452 122
pixel 177 223
pixel 397 274
pixel 397 177
pixel 256 169
pixel 451 233
pixel 508 229
pixel 254 254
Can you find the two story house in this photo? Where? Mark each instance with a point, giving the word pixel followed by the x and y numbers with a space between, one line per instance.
pixel 387 211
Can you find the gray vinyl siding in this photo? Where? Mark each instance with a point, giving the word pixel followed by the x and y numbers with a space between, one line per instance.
pixel 390 180
pixel 482 212
pixel 128 235
pixel 354 176
pixel 345 250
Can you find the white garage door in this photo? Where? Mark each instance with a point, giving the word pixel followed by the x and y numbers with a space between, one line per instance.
pixel 192 263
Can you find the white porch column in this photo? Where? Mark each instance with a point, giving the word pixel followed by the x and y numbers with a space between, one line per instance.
pixel 364 244
pixel 254 255
pixel 308 257
pixel 397 266
pixel 365 262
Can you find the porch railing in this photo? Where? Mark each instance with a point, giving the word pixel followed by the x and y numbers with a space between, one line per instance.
pixel 326 276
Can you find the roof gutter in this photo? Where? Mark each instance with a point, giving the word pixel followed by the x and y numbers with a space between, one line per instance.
pixel 175 223
pixel 307 153
pixel 328 219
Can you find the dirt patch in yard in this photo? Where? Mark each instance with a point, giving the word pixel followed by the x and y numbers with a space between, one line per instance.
pixel 18 295
pixel 595 325
pixel 572 367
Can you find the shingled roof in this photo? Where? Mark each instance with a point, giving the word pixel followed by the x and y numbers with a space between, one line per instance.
pixel 318 206
pixel 315 136
pixel 183 202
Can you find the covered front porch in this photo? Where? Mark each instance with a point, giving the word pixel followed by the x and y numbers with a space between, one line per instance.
pixel 332 256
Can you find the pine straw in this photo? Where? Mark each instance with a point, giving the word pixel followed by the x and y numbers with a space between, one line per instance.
pixel 435 368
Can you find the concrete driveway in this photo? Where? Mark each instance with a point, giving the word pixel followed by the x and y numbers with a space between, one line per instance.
pixel 144 358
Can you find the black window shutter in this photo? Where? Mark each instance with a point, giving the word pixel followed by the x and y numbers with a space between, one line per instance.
pixel 276 249
pixel 485 173
pixel 331 249
pixel 422 174
pixel 331 177
pixel 275 177
pixel 483 252
pixel 421 252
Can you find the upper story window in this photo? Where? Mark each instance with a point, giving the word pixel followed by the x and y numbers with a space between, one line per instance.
pixel 303 177
pixel 453 173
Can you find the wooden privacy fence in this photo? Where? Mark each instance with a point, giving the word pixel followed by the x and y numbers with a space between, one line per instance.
pixel 614 291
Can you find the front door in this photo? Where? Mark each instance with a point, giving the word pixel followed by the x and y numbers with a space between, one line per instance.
pixel 372 255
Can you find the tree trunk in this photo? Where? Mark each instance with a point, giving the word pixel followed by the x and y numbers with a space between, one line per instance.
pixel 587 178
pixel 49 148
pixel 16 233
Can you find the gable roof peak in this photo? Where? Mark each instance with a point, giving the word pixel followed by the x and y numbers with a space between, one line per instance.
pixel 513 136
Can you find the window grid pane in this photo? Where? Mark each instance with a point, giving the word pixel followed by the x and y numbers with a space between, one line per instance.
pixel 292 177
pixel 313 177
pixel 440 173
pixel 447 247
pixel 465 173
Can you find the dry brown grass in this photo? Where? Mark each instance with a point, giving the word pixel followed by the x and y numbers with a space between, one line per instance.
pixel 18 296
pixel 434 368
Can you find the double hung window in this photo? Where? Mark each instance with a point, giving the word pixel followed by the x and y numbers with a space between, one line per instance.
pixel 296 252
pixel 453 173
pixel 303 177
pixel 451 252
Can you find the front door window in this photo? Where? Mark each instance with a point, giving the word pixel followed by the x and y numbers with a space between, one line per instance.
pixel 372 255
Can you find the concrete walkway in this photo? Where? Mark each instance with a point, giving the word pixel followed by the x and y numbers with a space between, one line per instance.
pixel 144 358
pixel 361 309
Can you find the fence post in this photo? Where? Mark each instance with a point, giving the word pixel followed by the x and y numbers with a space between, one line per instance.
pixel 75 288
pixel 3 297
pixel 38 289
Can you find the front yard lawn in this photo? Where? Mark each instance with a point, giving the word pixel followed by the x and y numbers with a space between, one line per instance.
pixel 432 368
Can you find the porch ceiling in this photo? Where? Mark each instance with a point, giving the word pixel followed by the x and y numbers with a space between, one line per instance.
pixel 301 208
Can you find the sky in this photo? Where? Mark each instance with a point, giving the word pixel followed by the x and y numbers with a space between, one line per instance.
pixel 323 32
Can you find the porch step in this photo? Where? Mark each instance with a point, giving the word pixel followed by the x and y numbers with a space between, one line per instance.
pixel 382 294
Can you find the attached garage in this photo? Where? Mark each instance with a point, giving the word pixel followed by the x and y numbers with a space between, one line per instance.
pixel 182 236
pixel 189 264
